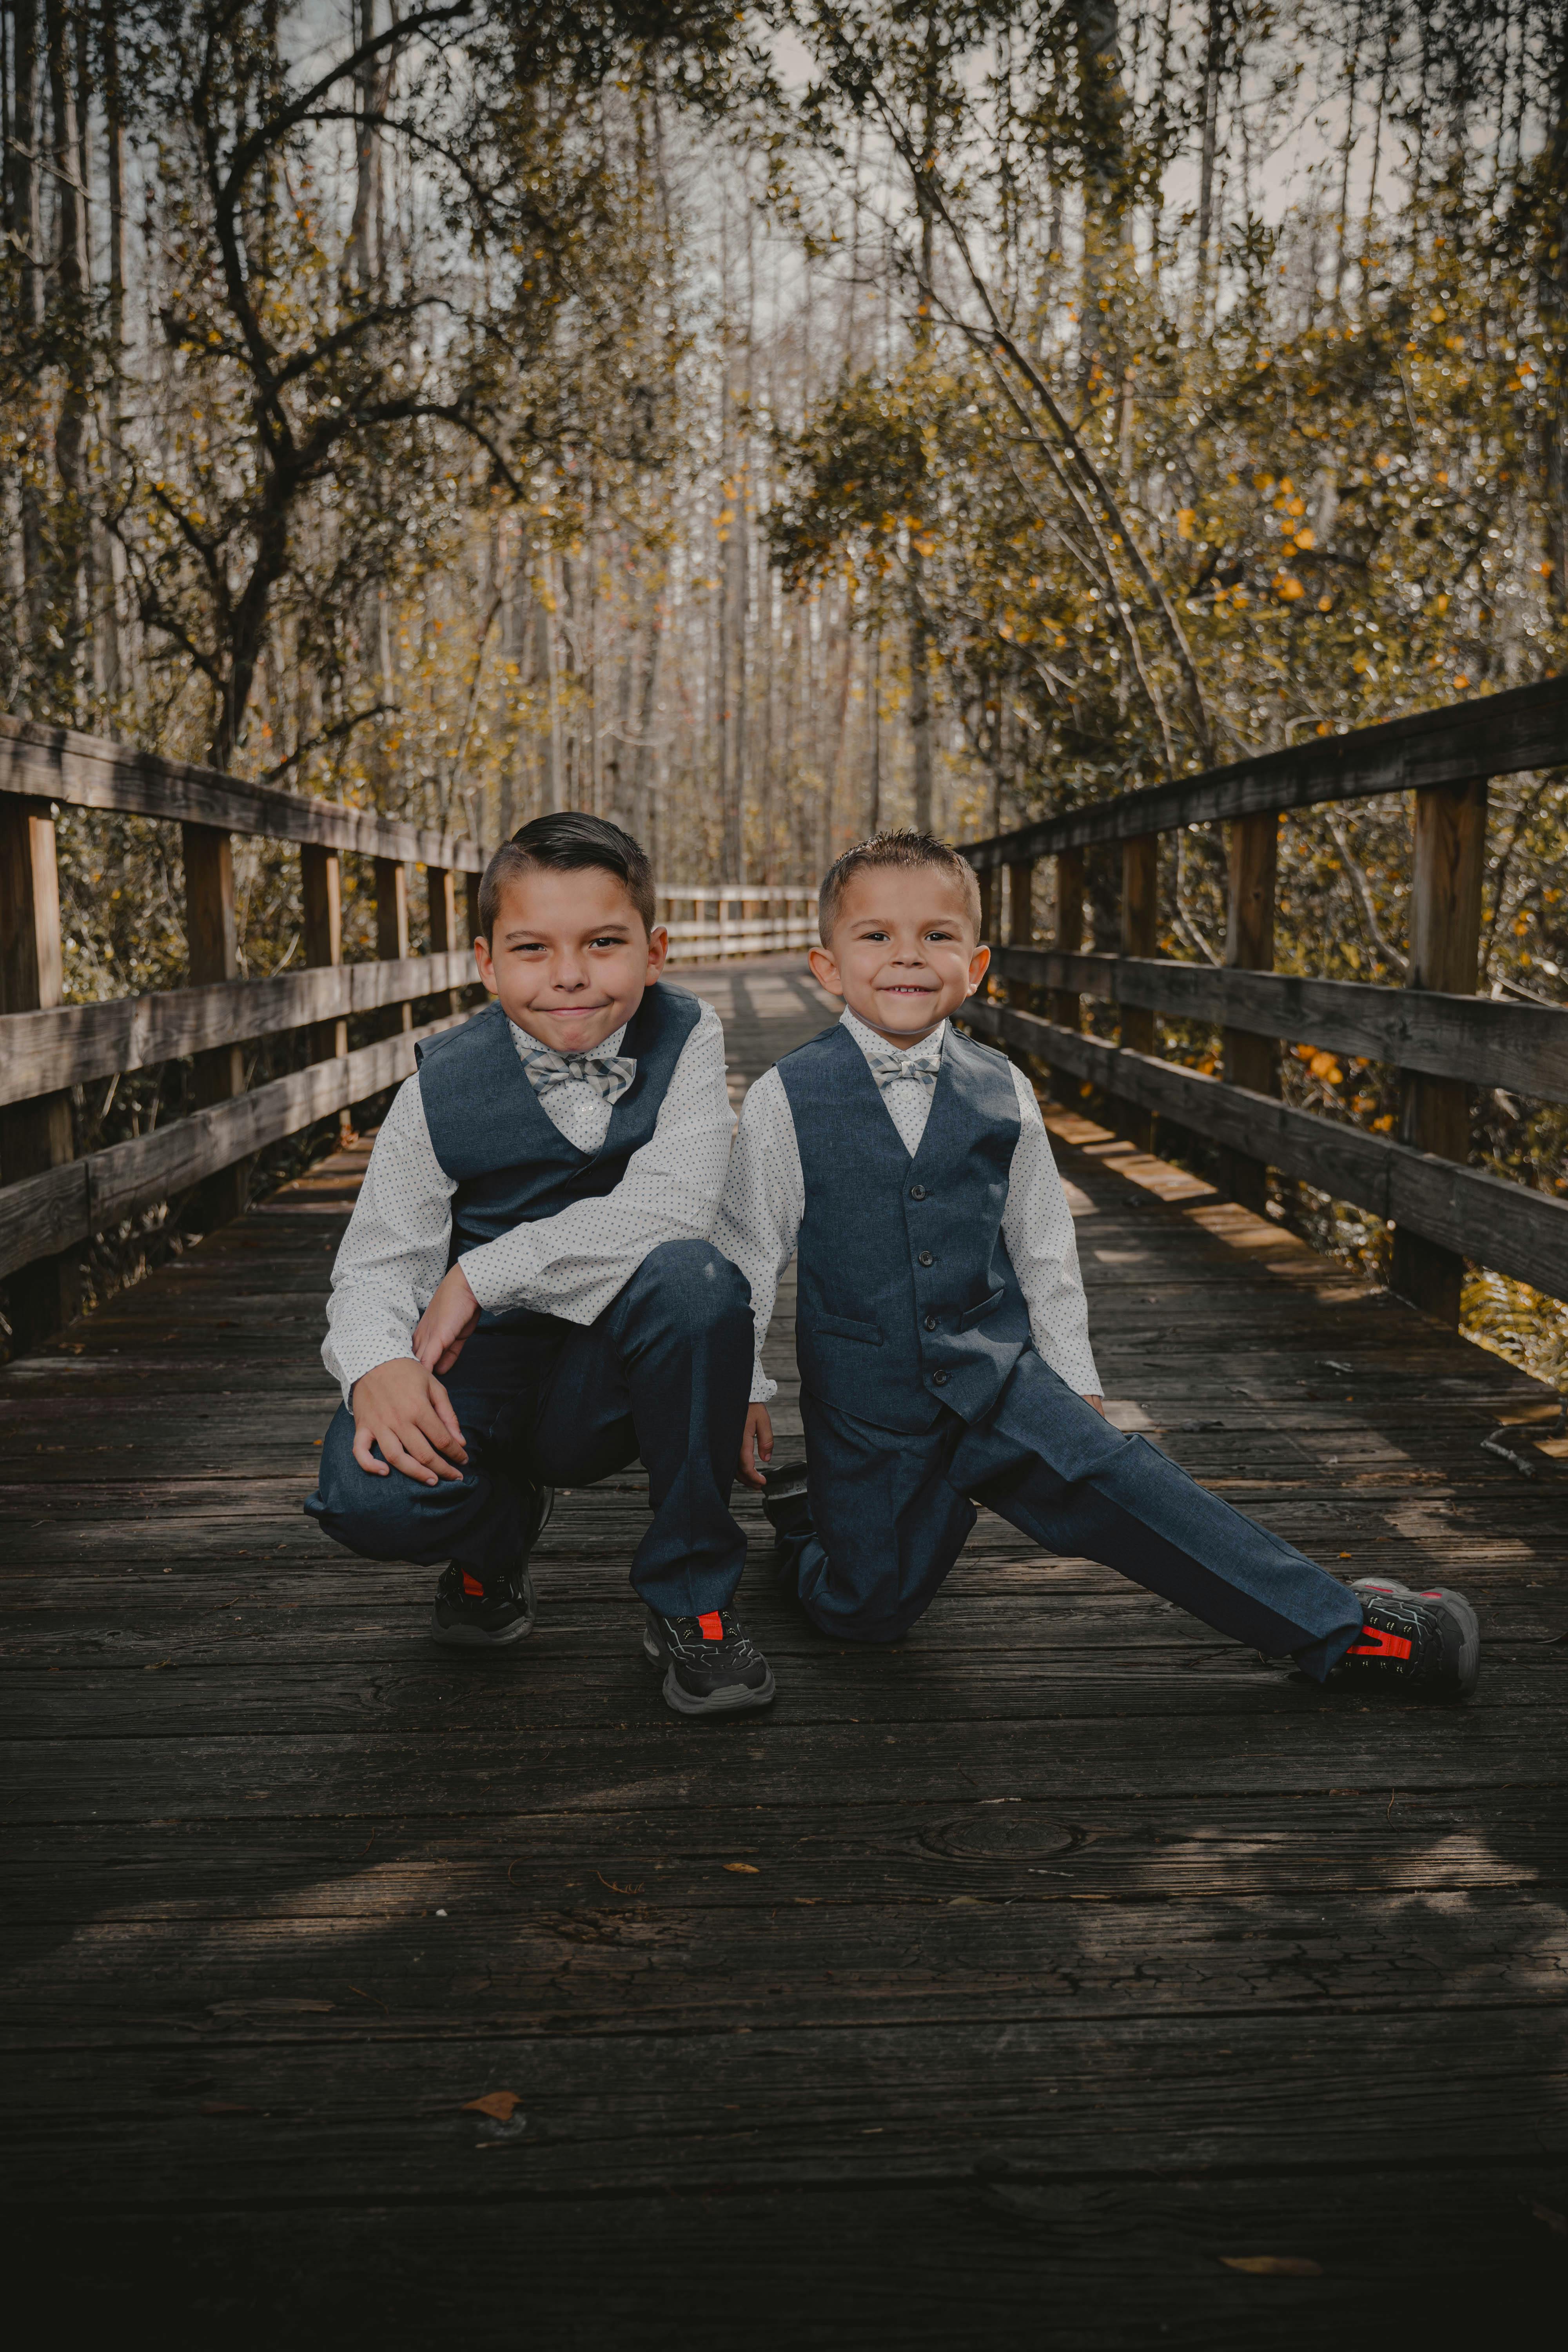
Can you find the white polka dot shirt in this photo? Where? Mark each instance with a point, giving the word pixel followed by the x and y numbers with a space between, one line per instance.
pixel 764 1202
pixel 572 1264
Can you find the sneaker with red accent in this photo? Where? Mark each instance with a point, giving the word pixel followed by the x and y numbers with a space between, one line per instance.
pixel 469 1616
pixel 711 1666
pixel 1426 1642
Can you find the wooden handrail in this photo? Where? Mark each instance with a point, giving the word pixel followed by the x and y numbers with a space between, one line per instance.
pixel 1486 1040
pixel 1441 1038
pixel 55 763
pixel 1495 735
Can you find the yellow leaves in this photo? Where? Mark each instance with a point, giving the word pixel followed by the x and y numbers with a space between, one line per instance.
pixel 748 1869
pixel 1323 728
pixel 1288 588
pixel 1361 664
pixel 1437 314
pixel 1186 518
pixel 1319 1065
pixel 1460 682
pixel 1306 536
pixel 1520 926
pixel 1383 461
pixel 1384 1125
pixel 1440 603
pixel 1325 604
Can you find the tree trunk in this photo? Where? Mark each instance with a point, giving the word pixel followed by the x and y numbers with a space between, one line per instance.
pixel 68 325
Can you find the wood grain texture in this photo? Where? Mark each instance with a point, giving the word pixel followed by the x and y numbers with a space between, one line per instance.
pixel 56 763
pixel 996 1988
pixel 1495 735
pixel 1482 1039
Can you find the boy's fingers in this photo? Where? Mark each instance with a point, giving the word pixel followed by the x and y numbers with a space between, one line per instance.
pixel 442 1403
pixel 363 1440
pixel 398 1455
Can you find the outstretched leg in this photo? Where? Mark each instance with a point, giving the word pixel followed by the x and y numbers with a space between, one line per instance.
pixel 1054 1467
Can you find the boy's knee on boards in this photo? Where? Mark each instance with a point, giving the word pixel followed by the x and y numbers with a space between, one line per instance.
pixel 378 1517
pixel 696 1284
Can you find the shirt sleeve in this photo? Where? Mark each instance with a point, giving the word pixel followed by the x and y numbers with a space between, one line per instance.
pixel 760 1212
pixel 1038 1228
pixel 395 1251
pixel 576 1261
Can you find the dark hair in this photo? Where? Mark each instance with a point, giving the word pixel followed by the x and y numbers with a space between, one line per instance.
pixel 898 849
pixel 565 843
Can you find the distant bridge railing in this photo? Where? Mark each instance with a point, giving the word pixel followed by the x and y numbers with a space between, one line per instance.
pixel 52 1201
pixel 1442 1038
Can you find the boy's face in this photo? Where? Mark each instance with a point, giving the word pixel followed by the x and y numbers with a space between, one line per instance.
pixel 568 956
pixel 903 953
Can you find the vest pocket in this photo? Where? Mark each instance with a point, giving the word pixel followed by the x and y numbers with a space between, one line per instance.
pixel 840 1327
pixel 972 1315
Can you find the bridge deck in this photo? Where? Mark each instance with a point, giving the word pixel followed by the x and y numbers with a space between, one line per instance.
pixel 1047 1963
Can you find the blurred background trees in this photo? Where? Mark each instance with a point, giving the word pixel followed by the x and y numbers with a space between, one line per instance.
pixel 762 424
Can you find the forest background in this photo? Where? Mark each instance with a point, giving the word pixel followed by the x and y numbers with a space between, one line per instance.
pixel 683 411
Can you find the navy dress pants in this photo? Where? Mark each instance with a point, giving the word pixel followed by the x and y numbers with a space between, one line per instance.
pixel 664 1373
pixel 890 1513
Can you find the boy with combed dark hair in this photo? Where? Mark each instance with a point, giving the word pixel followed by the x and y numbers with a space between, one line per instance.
pixel 942 1329
pixel 527 1296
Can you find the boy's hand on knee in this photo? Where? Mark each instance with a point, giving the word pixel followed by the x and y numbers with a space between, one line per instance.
pixel 756 1444
pixel 447 1322
pixel 403 1410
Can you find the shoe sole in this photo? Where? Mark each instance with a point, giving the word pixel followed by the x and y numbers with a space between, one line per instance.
pixel 734 1699
pixel 1470 1660
pixel 474 1637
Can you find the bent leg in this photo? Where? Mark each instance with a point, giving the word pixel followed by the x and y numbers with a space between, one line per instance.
pixel 475 1520
pixel 887 1525
pixel 1050 1464
pixel 666 1373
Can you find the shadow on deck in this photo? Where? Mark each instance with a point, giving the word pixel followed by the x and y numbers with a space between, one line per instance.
pixel 1009 1987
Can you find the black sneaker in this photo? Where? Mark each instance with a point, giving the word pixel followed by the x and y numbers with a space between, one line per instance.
pixel 711 1666
pixel 469 1616
pixel 784 1504
pixel 1427 1643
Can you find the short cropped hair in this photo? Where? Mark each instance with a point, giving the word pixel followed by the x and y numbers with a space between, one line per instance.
pixel 565 843
pixel 900 849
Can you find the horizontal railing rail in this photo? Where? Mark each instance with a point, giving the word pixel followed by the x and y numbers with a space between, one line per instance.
pixel 1443 1039
pixel 1461 743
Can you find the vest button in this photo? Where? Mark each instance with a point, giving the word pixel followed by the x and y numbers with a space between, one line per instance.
pixel 930 1322
pixel 939 1380
pixel 917 1192
pixel 925 1258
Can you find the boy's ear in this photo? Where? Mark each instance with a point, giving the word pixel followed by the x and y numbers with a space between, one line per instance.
pixel 826 970
pixel 658 949
pixel 485 962
pixel 979 965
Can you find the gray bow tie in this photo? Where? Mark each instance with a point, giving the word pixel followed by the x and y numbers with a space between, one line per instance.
pixel 609 1075
pixel 888 1063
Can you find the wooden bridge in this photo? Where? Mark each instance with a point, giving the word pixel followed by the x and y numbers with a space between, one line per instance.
pixel 1059 1976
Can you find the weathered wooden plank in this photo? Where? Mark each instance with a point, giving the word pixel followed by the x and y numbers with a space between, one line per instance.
pixel 1499 1224
pixel 90 1194
pixel 56 763
pixel 1495 735
pixel 1482 1039
pixel 74 1042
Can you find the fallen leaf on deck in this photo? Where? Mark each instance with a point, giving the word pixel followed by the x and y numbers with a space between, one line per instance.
pixel 1555 2222
pixel 749 1867
pixel 498 2105
pixel 1274 2265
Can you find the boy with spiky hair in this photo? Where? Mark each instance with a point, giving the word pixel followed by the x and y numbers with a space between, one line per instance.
pixel 527 1296
pixel 941 1330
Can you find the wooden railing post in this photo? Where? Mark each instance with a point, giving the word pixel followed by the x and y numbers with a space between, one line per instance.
pixel 1444 946
pixel 1021 926
pixel 987 918
pixel 35 1135
pixel 392 934
pixel 471 907
pixel 1067 1004
pixel 443 921
pixel 1252 862
pixel 320 874
pixel 321 897
pixel 1140 937
pixel 218 1074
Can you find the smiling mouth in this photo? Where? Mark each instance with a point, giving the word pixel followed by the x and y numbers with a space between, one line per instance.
pixel 908 988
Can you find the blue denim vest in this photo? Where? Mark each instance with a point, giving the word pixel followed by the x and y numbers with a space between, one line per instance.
pixel 908 1299
pixel 493 1137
